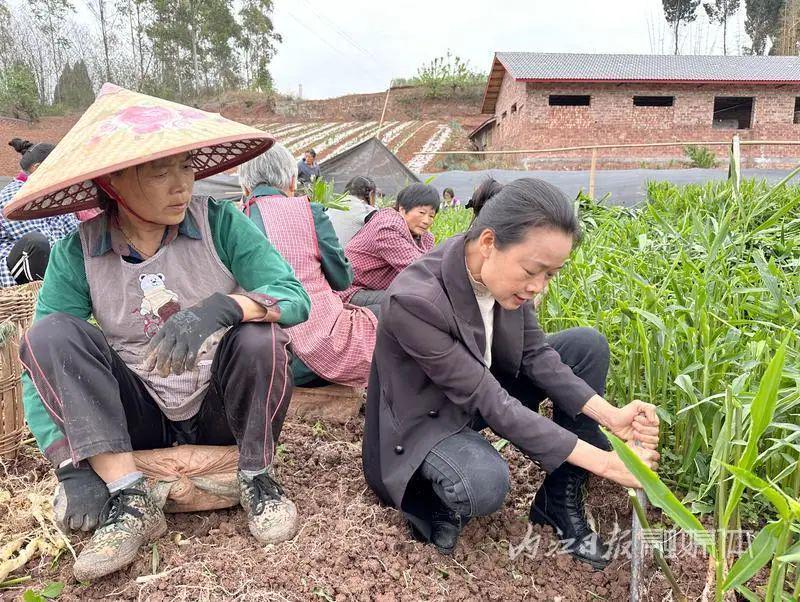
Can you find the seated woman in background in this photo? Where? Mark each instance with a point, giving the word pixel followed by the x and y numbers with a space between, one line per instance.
pixel 337 341
pixel 391 239
pixel 359 200
pixel 460 349
pixel 25 245
pixel 449 199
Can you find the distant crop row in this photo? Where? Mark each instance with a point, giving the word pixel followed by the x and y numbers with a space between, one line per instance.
pixel 333 137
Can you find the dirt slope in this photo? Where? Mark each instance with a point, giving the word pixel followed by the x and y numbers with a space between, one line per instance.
pixel 405 105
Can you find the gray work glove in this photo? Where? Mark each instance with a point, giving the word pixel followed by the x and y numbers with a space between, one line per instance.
pixel 175 347
pixel 79 500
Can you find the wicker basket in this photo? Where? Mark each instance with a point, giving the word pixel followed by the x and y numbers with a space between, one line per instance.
pixel 17 305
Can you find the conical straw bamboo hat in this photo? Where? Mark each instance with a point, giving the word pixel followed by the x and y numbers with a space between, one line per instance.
pixel 124 128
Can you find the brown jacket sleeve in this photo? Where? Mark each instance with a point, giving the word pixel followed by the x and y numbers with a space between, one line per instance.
pixel 542 364
pixel 422 330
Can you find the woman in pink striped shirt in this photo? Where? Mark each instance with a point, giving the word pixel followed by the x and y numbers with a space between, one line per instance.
pixel 391 240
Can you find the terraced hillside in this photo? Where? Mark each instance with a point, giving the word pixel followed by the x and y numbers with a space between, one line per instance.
pixel 412 123
pixel 403 138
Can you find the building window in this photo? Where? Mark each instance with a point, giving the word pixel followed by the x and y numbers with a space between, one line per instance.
pixel 735 112
pixel 513 108
pixel 653 101
pixel 797 110
pixel 570 100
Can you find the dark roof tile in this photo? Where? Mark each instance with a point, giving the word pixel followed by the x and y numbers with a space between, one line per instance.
pixel 648 67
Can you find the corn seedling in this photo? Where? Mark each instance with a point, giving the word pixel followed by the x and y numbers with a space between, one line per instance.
pixel 322 192
pixel 773 541
pixel 451 222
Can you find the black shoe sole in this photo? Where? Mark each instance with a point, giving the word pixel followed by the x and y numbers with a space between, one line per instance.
pixel 537 517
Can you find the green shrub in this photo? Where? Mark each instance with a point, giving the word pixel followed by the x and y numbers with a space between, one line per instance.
pixel 19 96
pixel 700 156
pixel 447 75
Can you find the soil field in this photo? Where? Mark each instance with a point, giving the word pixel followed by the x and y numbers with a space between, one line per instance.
pixel 48 129
pixel 406 105
pixel 352 548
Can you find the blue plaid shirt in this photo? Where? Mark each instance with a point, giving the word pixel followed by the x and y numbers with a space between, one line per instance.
pixel 54 228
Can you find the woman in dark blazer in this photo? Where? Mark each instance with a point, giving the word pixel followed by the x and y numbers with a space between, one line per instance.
pixel 436 383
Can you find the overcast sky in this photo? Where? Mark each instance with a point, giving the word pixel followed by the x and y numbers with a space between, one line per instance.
pixel 346 46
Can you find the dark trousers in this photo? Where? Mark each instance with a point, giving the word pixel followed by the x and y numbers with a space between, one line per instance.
pixel 470 477
pixel 370 299
pixel 27 260
pixel 102 406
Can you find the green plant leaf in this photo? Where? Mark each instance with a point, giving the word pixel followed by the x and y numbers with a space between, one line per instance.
pixel 747 594
pixel 650 317
pixel 660 495
pixel 793 555
pixel 757 556
pixel 53 590
pixel 772 493
pixel 761 412
pixel 500 444
pixel 31 596
pixel 760 201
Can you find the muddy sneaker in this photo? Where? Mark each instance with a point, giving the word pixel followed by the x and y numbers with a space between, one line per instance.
pixel 271 516
pixel 131 519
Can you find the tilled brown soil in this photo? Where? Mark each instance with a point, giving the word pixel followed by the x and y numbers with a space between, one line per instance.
pixel 351 548
pixel 48 129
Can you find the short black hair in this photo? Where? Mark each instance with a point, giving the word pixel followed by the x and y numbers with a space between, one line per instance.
pixel 521 206
pixel 31 153
pixel 312 152
pixel 361 187
pixel 418 195
pixel 450 192
pixel 485 190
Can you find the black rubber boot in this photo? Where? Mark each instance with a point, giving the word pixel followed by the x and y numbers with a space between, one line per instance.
pixel 446 526
pixel 560 503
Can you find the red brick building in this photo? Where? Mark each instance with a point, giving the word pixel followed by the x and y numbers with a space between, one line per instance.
pixel 562 100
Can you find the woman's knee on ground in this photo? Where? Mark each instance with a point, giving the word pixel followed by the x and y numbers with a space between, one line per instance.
pixel 471 478
pixel 489 483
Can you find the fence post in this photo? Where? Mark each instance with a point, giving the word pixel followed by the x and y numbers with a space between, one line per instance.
pixel 592 173
pixel 735 167
pixel 385 104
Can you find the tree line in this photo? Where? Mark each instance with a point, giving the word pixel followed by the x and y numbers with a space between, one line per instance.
pixel 50 54
pixel 772 25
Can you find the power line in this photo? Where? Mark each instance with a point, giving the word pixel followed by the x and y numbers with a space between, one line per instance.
pixel 315 33
pixel 334 48
pixel 329 22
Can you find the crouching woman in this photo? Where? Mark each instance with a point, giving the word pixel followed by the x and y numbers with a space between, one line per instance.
pixel 189 300
pixel 459 348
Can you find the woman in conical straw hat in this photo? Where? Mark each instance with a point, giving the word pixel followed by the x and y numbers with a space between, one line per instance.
pixel 190 300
